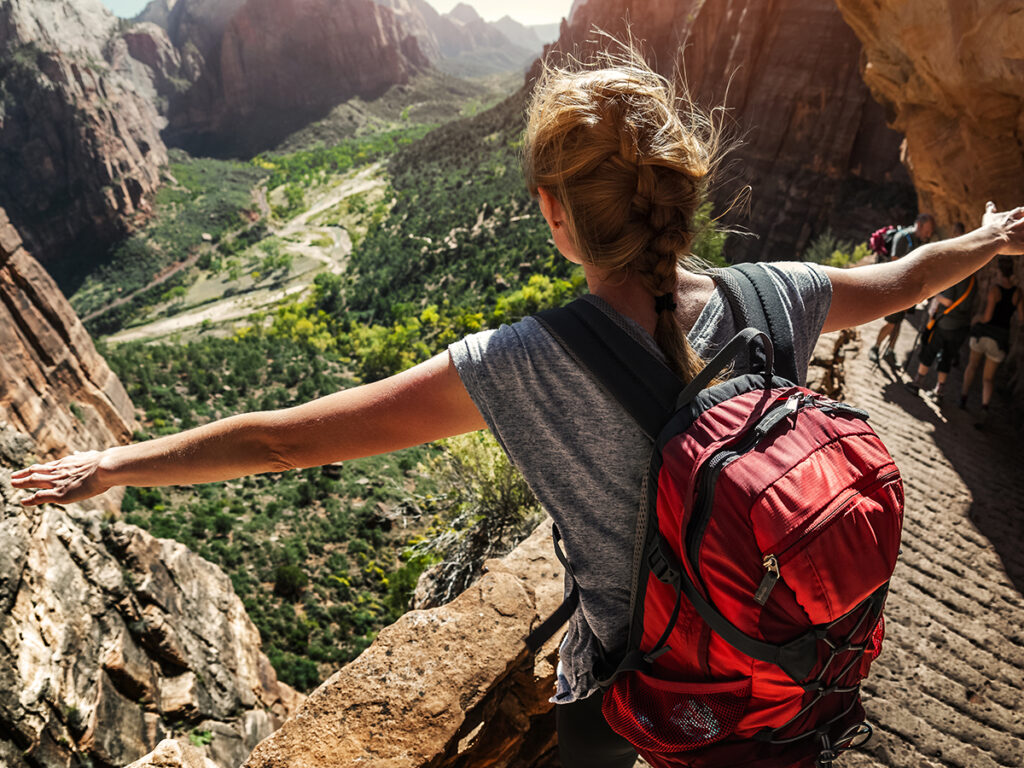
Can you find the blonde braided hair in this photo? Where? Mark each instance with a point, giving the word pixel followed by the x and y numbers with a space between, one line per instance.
pixel 629 162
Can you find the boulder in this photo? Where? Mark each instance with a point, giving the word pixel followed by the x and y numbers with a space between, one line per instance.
pixel 454 685
pixel 173 754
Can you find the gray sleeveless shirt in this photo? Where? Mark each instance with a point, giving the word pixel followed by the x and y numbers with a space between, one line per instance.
pixel 584 457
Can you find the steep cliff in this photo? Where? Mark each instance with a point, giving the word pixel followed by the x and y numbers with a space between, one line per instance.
pixel 816 151
pixel 951 78
pixel 111 640
pixel 80 145
pixel 452 686
pixel 54 386
pixel 248 72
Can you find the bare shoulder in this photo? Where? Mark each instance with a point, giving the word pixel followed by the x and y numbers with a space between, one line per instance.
pixel 693 291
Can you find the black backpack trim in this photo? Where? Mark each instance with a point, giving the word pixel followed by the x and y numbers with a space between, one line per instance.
pixel 647 389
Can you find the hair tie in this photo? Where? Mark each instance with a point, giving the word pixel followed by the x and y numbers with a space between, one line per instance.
pixel 665 302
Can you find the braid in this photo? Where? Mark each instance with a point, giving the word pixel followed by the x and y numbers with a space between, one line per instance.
pixel 629 174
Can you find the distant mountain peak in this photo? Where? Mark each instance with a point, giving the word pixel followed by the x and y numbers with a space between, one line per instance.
pixel 465 13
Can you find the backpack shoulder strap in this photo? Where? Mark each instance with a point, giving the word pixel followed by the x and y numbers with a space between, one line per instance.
pixel 756 302
pixel 641 383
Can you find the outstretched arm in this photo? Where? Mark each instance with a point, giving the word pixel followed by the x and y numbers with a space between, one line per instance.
pixel 426 402
pixel 864 293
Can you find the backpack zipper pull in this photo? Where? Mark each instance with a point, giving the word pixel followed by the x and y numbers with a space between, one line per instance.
pixel 771 576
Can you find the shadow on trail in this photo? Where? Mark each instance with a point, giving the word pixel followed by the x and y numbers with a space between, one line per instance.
pixel 988 457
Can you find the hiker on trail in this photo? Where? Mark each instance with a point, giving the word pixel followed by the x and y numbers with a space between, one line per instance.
pixel 619 166
pixel 946 332
pixel 990 334
pixel 903 242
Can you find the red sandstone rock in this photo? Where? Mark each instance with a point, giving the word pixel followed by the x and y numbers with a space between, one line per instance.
pixel 815 150
pixel 951 78
pixel 301 54
pixel 54 386
pixel 79 133
pixel 252 71
pixel 450 686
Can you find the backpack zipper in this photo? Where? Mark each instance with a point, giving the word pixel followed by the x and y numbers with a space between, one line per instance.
pixel 724 456
pixel 771 576
pixel 771 561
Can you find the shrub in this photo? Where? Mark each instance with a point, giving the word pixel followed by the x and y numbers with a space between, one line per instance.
pixel 290 581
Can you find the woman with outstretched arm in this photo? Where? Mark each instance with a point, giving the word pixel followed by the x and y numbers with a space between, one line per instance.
pixel 428 402
pixel 619 166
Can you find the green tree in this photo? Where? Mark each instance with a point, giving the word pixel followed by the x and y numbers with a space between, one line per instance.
pixel 290 581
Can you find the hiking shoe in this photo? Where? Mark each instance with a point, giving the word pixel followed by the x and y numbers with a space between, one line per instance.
pixel 914 389
pixel 873 354
pixel 938 396
pixel 982 421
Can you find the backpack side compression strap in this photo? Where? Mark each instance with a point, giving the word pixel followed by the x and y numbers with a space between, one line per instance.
pixel 642 384
pixel 547 628
pixel 755 301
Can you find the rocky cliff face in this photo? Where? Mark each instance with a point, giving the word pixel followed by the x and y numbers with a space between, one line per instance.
pixel 80 145
pixel 54 386
pixel 450 686
pixel 816 151
pixel 951 78
pixel 248 72
pixel 111 640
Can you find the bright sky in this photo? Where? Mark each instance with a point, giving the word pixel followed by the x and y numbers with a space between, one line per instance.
pixel 524 11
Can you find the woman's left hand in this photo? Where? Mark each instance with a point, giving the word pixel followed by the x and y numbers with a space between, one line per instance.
pixel 64 481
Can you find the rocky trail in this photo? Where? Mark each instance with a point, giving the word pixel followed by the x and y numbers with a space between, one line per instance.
pixel 947 689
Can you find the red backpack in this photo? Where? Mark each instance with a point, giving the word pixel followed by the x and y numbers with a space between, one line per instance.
pixel 881 241
pixel 769 528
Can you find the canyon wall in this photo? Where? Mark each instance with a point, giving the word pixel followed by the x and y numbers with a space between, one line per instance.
pixel 248 72
pixel 815 148
pixel 110 640
pixel 80 145
pixel 951 78
pixel 54 386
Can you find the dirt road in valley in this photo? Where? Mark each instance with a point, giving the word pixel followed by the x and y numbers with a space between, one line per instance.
pixel 298 237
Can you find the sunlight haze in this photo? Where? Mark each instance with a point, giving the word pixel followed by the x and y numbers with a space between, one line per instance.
pixel 525 12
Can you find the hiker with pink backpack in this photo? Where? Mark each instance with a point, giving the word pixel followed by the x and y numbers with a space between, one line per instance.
pixel 888 244
pixel 727 534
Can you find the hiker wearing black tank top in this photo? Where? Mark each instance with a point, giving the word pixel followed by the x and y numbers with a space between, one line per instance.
pixel 990 334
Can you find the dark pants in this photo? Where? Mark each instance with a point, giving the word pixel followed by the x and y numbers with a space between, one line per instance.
pixel 585 740
pixel 945 345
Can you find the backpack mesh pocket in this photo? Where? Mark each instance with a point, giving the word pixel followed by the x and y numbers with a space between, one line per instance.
pixel 664 716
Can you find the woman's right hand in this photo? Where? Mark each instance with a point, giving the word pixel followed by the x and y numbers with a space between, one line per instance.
pixel 1009 225
pixel 63 481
